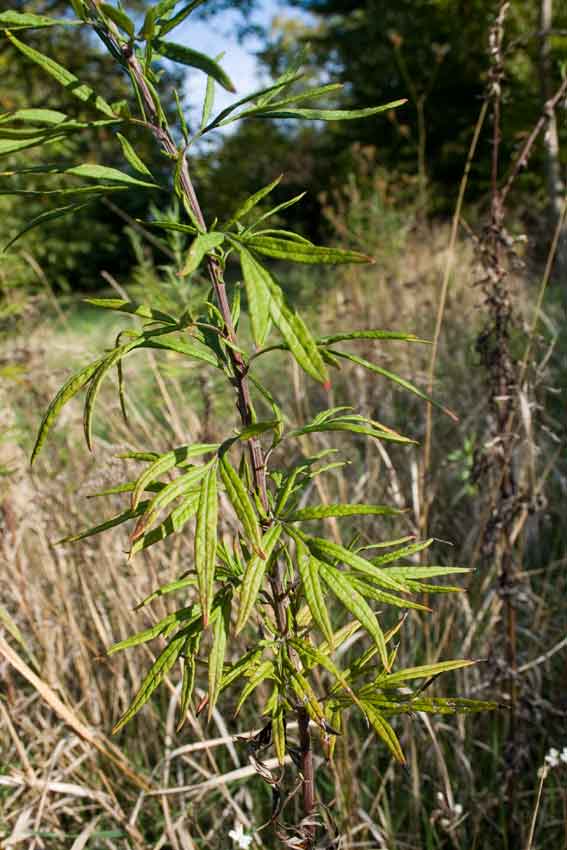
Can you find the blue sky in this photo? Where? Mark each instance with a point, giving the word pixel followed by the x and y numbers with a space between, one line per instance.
pixel 218 35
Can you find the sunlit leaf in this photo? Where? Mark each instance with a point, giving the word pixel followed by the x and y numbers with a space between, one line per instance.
pixel 242 503
pixel 48 215
pixel 422 672
pixel 300 252
pixel 119 17
pixel 221 628
pixel 323 511
pixel 253 576
pixel 202 245
pixel 384 731
pixel 167 461
pixel 340 586
pixel 194 59
pixel 13 20
pixel 251 202
pixel 206 540
pixel 63 76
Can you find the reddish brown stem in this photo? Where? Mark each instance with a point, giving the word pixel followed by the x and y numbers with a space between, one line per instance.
pixel 308 776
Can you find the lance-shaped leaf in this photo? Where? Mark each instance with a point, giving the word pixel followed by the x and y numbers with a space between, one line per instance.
pixel 220 119
pixel 201 246
pixel 278 729
pixel 355 425
pixel 330 552
pixel 185 616
pixel 385 373
pixel 104 172
pixel 169 587
pixel 167 461
pixel 206 540
pixel 315 656
pixel 357 605
pixel 182 485
pixel 133 308
pixel 101 371
pixel 265 670
pixel 372 334
pixel 25 20
pixel 156 674
pixel 422 672
pixel 188 678
pixel 257 282
pixel 253 576
pixel 307 697
pixel 251 202
pixel 328 114
pixel 69 389
pixel 300 252
pixel 221 628
pixel 324 511
pixel 64 77
pixel 405 552
pixel 171 525
pixel 425 572
pixel 369 591
pixel 308 569
pixel 194 59
pixel 180 346
pixel 8 146
pixel 243 667
pixel 120 518
pixel 132 157
pixel 384 731
pixel 242 503
pixel 48 215
pixel 119 17
pixel 450 705
pixel 298 336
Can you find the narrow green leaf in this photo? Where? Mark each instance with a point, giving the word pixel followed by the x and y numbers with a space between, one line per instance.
pixel 385 373
pixel 182 347
pixel 173 524
pixel 194 59
pixel 169 587
pixel 103 172
pixel 180 486
pixel 243 667
pixel 7 146
pixel 257 284
pixel 221 628
pixel 384 731
pixel 264 671
pixel 380 335
pixel 120 518
pixel 251 202
pixel 298 337
pixel 187 679
pixel 328 114
pixel 169 460
pixel 48 215
pixel 202 245
pixel 64 77
pixel 273 211
pixel 101 371
pixel 132 157
pixel 353 426
pixel 423 672
pixel 451 705
pixel 189 614
pixel 25 20
pixel 206 540
pixel 308 569
pixel 369 591
pixel 315 656
pixel 34 116
pixel 253 576
pixel 278 729
pixel 170 24
pixel 156 674
pixel 405 552
pixel 131 307
pixel 69 389
pixel 425 572
pixel 329 552
pixel 119 17
pixel 219 120
pixel 308 697
pixel 299 252
pixel 323 511
pixel 340 586
pixel 242 503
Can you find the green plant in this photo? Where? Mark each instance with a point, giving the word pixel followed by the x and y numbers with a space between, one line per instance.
pixel 255 567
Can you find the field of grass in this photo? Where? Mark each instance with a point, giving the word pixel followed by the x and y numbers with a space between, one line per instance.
pixel 472 782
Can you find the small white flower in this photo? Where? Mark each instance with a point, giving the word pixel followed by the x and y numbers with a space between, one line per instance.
pixel 239 838
pixel 458 810
pixel 552 757
pixel 563 755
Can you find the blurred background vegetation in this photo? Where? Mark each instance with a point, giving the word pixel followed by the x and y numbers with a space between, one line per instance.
pixel 387 186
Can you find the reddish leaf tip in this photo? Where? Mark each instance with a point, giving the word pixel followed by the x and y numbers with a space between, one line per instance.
pixel 327 385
